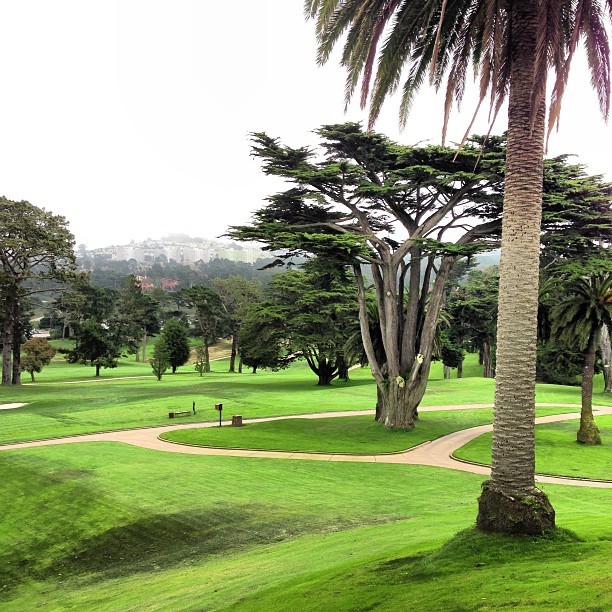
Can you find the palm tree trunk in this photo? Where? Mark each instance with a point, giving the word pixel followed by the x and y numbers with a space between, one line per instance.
pixel 605 347
pixel 510 502
pixel 588 432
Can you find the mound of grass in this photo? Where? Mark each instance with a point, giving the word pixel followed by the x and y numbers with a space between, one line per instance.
pixel 106 526
pixel 472 571
pixel 557 451
pixel 359 434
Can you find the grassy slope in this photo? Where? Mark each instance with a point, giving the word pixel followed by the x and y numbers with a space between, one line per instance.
pixel 109 527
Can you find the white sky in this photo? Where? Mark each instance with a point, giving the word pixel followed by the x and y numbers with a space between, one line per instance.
pixel 131 118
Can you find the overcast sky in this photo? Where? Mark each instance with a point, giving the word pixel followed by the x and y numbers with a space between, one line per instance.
pixel 131 118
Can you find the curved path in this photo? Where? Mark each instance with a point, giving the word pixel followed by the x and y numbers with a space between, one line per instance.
pixel 437 453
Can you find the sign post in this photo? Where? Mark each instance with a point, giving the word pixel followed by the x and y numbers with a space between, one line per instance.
pixel 219 407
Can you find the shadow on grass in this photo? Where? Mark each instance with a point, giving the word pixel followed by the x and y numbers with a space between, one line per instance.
pixel 162 541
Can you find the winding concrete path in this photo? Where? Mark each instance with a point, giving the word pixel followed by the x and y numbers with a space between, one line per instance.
pixel 437 453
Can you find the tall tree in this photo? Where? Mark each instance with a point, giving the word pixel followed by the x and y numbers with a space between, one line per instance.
pixel 209 315
pixel 512 46
pixel 316 308
pixel 365 200
pixel 238 296
pixel 578 320
pixel 35 245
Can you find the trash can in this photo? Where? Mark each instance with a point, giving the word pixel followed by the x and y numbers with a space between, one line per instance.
pixel 237 420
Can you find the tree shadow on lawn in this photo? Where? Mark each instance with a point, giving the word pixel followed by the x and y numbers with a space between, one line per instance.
pixel 161 541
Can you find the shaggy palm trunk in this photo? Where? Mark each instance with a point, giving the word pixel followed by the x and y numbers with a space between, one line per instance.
pixel 510 502
pixel 588 432
pixel 605 346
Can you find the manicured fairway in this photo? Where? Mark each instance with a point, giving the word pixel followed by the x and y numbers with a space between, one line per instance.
pixel 557 451
pixel 359 434
pixel 56 408
pixel 110 527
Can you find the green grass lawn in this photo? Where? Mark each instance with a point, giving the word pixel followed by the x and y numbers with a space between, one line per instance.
pixel 557 451
pixel 104 526
pixel 56 408
pixel 359 434
pixel 107 526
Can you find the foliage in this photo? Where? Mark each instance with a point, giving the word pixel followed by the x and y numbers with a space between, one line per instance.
pixel 472 309
pixel 38 353
pixel 578 319
pixel 262 341
pixel 440 41
pixel 36 246
pixel 238 296
pixel 363 199
pixel 174 338
pixel 160 361
pixel 96 345
pixel 316 310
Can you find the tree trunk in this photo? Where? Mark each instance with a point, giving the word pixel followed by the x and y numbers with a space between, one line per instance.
pixel 97 369
pixel 401 401
pixel 206 355
pixel 32 375
pixel 343 368
pixel 232 366
pixel 487 372
pixel 255 369
pixel 145 339
pixel 240 364
pixel 16 376
pixel 7 341
pixel 605 347
pixel 588 432
pixel 510 502
pixel 447 372
pixel 460 368
pixel 326 371
pixel 380 401
pixel 137 352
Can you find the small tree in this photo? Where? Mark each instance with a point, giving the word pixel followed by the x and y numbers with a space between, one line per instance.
pixel 202 361
pixel 175 339
pixel 579 319
pixel 38 353
pixel 96 346
pixel 160 361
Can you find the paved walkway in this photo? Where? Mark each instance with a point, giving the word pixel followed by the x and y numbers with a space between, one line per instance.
pixel 437 453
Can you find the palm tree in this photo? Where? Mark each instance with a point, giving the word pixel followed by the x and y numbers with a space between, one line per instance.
pixel 512 46
pixel 578 320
